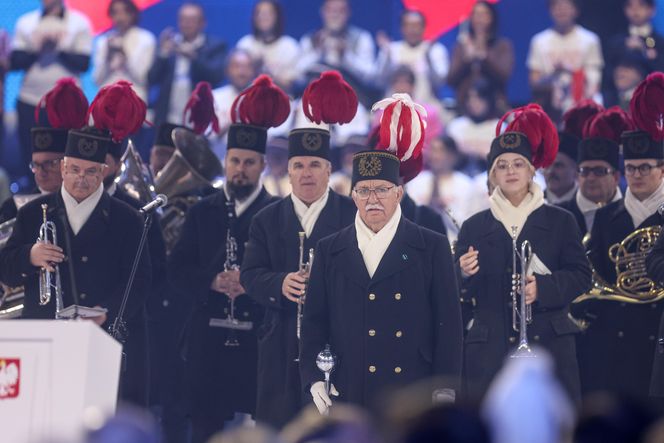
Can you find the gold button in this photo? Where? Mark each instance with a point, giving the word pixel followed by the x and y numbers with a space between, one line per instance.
pixel 372 296
pixel 512 339
pixel 273 299
pixel 399 334
pixel 621 334
pixel 83 295
pixel 84 259
pixel 372 332
pixel 246 314
pixel 651 338
pixel 372 369
pixel 397 296
pixel 537 337
pixel 397 370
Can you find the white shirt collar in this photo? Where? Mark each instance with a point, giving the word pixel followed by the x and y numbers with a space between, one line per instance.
pixel 79 213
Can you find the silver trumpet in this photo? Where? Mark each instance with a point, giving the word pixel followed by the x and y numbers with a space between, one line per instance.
pixel 49 282
pixel 522 314
pixel 305 270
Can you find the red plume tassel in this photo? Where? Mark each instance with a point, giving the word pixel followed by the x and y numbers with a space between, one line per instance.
pixel 532 121
pixel 329 99
pixel 118 109
pixel 262 104
pixel 409 169
pixel 201 109
pixel 647 106
pixel 609 124
pixel 577 118
pixel 66 105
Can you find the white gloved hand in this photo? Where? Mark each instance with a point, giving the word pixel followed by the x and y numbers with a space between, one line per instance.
pixel 320 397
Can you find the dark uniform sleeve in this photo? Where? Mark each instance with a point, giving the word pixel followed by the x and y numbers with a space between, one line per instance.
pixel 15 263
pixel 573 276
pixel 655 262
pixel 315 322
pixel 188 275
pixel 256 274
pixel 447 316
pixel 141 286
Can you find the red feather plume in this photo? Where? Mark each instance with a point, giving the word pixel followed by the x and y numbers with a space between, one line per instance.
pixel 200 108
pixel 118 109
pixel 262 104
pixel 329 99
pixel 409 169
pixel 577 118
pixel 647 106
pixel 66 105
pixel 532 121
pixel 609 124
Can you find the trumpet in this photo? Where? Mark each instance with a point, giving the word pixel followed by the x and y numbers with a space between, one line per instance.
pixel 522 314
pixel 304 269
pixel 49 282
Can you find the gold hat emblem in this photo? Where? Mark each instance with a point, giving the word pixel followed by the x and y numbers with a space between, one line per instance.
pixel 245 138
pixel 87 148
pixel 510 140
pixel 369 166
pixel 43 140
pixel 312 141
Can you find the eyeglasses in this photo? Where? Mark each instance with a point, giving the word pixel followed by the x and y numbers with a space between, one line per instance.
pixel 597 171
pixel 644 169
pixel 517 165
pixel 47 166
pixel 86 173
pixel 381 192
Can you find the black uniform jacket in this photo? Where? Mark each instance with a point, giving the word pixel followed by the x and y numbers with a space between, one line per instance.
pixel 655 265
pixel 555 239
pixel 273 252
pixel 422 215
pixel 397 327
pixel 220 378
pixel 616 351
pixel 102 253
pixel 573 207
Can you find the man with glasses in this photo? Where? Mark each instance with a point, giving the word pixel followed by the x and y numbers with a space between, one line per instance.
pixel 271 261
pixel 616 351
pixel 599 176
pixel 383 295
pixel 561 177
pixel 97 236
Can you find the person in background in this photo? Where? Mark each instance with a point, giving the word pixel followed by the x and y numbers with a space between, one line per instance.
pixel 275 177
pixel 339 45
pixel 275 52
pixel 640 41
pixel 183 60
pixel 481 53
pixel 429 61
pixel 49 43
pixel 561 183
pixel 126 51
pixel 475 128
pixel 565 61
pixel 340 180
pixel 627 73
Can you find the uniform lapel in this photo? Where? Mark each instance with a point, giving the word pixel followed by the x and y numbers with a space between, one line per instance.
pixel 399 254
pixel 349 257
pixel 328 219
pixel 98 220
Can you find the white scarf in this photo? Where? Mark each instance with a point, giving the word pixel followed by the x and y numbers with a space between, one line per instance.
pixel 372 245
pixel 243 205
pixel 79 213
pixel 553 199
pixel 588 207
pixel 308 215
pixel 510 215
pixel 641 210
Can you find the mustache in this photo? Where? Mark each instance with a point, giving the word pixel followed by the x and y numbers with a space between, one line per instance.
pixel 371 206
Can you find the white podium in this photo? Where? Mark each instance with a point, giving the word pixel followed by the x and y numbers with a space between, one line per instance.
pixel 52 374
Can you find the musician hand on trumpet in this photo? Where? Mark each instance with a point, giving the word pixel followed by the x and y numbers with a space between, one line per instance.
pixel 46 255
pixel 469 263
pixel 294 285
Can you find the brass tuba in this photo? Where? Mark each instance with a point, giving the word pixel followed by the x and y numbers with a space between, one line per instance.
pixel 193 166
pixel 632 283
pixel 135 177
